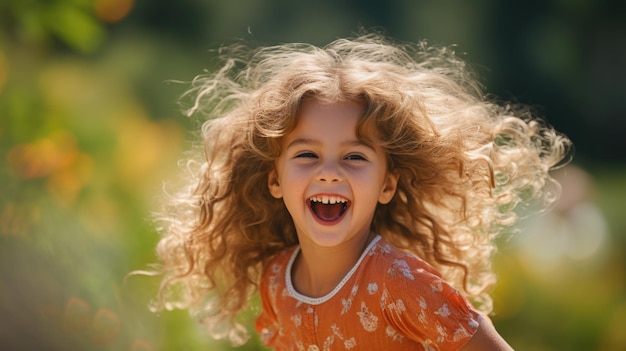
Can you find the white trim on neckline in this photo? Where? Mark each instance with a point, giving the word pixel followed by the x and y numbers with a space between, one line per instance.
pixel 319 300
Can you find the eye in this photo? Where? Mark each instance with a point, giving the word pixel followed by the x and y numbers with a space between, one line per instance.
pixel 306 154
pixel 355 157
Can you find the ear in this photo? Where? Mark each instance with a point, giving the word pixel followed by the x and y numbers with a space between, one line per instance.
pixel 389 187
pixel 274 185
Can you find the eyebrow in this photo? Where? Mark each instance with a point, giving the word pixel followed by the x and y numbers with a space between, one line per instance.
pixel 307 141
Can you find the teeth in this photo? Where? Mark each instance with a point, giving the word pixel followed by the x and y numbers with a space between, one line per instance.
pixel 325 199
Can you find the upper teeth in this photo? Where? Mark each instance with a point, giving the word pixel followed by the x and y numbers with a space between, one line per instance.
pixel 328 199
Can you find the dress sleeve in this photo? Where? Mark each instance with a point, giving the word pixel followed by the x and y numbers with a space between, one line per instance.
pixel 421 306
pixel 266 323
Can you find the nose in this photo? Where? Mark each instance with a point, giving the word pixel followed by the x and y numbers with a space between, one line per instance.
pixel 329 172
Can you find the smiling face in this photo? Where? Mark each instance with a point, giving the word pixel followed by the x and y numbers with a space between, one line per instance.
pixel 330 181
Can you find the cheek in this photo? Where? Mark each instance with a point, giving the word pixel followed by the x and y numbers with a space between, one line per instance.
pixel 297 173
pixel 366 189
pixel 293 182
pixel 372 178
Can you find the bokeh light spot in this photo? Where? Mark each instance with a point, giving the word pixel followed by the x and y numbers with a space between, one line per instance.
pixel 76 315
pixel 106 327
pixel 18 219
pixel 141 345
pixel 41 158
pixel 112 10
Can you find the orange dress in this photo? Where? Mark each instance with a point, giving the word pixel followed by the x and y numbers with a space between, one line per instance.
pixel 390 300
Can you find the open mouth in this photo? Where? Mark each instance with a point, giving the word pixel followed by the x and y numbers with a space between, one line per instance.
pixel 328 208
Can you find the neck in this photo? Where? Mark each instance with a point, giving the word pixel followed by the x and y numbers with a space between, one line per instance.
pixel 318 270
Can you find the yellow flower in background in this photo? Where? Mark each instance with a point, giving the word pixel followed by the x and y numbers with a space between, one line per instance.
pixel 56 159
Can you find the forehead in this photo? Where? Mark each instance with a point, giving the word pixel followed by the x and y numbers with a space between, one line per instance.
pixel 336 120
pixel 318 108
pixel 329 118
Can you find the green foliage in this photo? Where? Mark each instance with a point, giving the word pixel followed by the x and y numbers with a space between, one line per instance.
pixel 37 21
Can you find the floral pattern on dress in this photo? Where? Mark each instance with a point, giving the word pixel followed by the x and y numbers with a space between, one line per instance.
pixel 389 300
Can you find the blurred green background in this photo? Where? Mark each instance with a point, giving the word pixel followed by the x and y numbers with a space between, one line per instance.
pixel 90 128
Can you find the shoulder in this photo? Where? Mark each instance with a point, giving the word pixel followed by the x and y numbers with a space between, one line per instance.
pixel 274 271
pixel 396 264
pixel 271 287
pixel 419 303
pixel 401 272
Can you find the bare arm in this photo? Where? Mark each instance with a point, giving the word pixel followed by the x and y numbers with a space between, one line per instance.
pixel 486 338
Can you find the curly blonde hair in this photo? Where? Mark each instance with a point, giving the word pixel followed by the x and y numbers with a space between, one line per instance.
pixel 466 167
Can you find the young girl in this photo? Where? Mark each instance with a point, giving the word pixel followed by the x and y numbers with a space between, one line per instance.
pixel 358 188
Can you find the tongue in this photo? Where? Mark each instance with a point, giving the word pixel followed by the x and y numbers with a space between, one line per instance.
pixel 327 212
